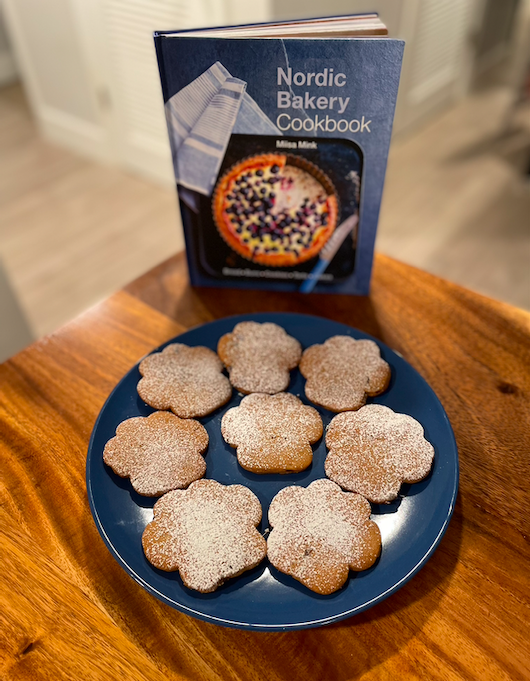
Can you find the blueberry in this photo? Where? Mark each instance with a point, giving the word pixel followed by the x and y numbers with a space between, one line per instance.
pixel 259 172
pixel 275 169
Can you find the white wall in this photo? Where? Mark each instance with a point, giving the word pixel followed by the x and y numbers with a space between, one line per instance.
pixel 51 45
pixel 55 73
pixel 89 69
pixel 388 10
pixel 8 67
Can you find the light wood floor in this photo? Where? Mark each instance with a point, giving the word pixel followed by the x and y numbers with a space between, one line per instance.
pixel 457 198
pixel 72 231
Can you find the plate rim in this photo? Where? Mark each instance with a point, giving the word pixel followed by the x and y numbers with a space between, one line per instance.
pixel 345 614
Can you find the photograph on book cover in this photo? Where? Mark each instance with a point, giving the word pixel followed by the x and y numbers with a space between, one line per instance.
pixel 279 150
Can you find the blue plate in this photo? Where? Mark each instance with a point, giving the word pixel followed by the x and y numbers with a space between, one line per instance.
pixel 263 598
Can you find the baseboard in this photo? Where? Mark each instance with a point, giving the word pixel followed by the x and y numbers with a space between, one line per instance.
pixel 74 133
pixel 150 158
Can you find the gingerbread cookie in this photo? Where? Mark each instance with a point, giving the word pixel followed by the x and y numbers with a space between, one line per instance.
pixel 259 357
pixel 320 533
pixel 342 371
pixel 374 450
pixel 187 380
pixel 158 453
pixel 207 532
pixel 272 433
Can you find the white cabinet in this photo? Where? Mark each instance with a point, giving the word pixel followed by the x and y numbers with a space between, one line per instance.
pixel 89 69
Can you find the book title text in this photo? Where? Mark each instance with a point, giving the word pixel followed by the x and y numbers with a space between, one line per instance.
pixel 307 101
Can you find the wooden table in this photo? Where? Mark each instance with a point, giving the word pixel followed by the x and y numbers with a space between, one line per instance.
pixel 68 611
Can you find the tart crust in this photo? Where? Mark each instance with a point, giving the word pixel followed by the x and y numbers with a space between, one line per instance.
pixel 275 209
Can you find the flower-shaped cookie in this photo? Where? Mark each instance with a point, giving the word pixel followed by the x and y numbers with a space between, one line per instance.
pixel 259 357
pixel 206 532
pixel 320 533
pixel 374 450
pixel 342 371
pixel 272 433
pixel 158 453
pixel 187 380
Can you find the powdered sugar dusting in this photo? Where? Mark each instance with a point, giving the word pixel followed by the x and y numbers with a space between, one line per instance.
pixel 319 533
pixel 374 450
pixel 207 532
pixel 187 380
pixel 272 433
pixel 259 357
pixel 341 372
pixel 158 453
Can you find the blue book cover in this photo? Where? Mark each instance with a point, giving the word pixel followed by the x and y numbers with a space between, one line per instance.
pixel 279 147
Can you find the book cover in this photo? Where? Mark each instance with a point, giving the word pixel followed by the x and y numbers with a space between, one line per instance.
pixel 279 148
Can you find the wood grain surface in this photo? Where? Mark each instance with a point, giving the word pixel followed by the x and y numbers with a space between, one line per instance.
pixel 68 611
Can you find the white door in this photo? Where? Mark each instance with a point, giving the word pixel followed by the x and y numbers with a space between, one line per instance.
pixel 438 56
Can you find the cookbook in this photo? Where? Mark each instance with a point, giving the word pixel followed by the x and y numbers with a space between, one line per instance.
pixel 279 136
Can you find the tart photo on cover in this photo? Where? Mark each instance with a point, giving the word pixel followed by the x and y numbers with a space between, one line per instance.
pixel 275 209
pixel 276 204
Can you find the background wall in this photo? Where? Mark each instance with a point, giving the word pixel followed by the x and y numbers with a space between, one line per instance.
pixel 8 69
pixel 91 75
pixel 389 10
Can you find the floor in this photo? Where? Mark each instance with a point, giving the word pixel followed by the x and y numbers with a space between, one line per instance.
pixel 457 198
pixel 456 203
pixel 72 231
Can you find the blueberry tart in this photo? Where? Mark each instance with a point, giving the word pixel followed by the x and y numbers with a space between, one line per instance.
pixel 275 209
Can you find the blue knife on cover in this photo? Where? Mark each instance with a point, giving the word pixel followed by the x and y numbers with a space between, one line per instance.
pixel 329 251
